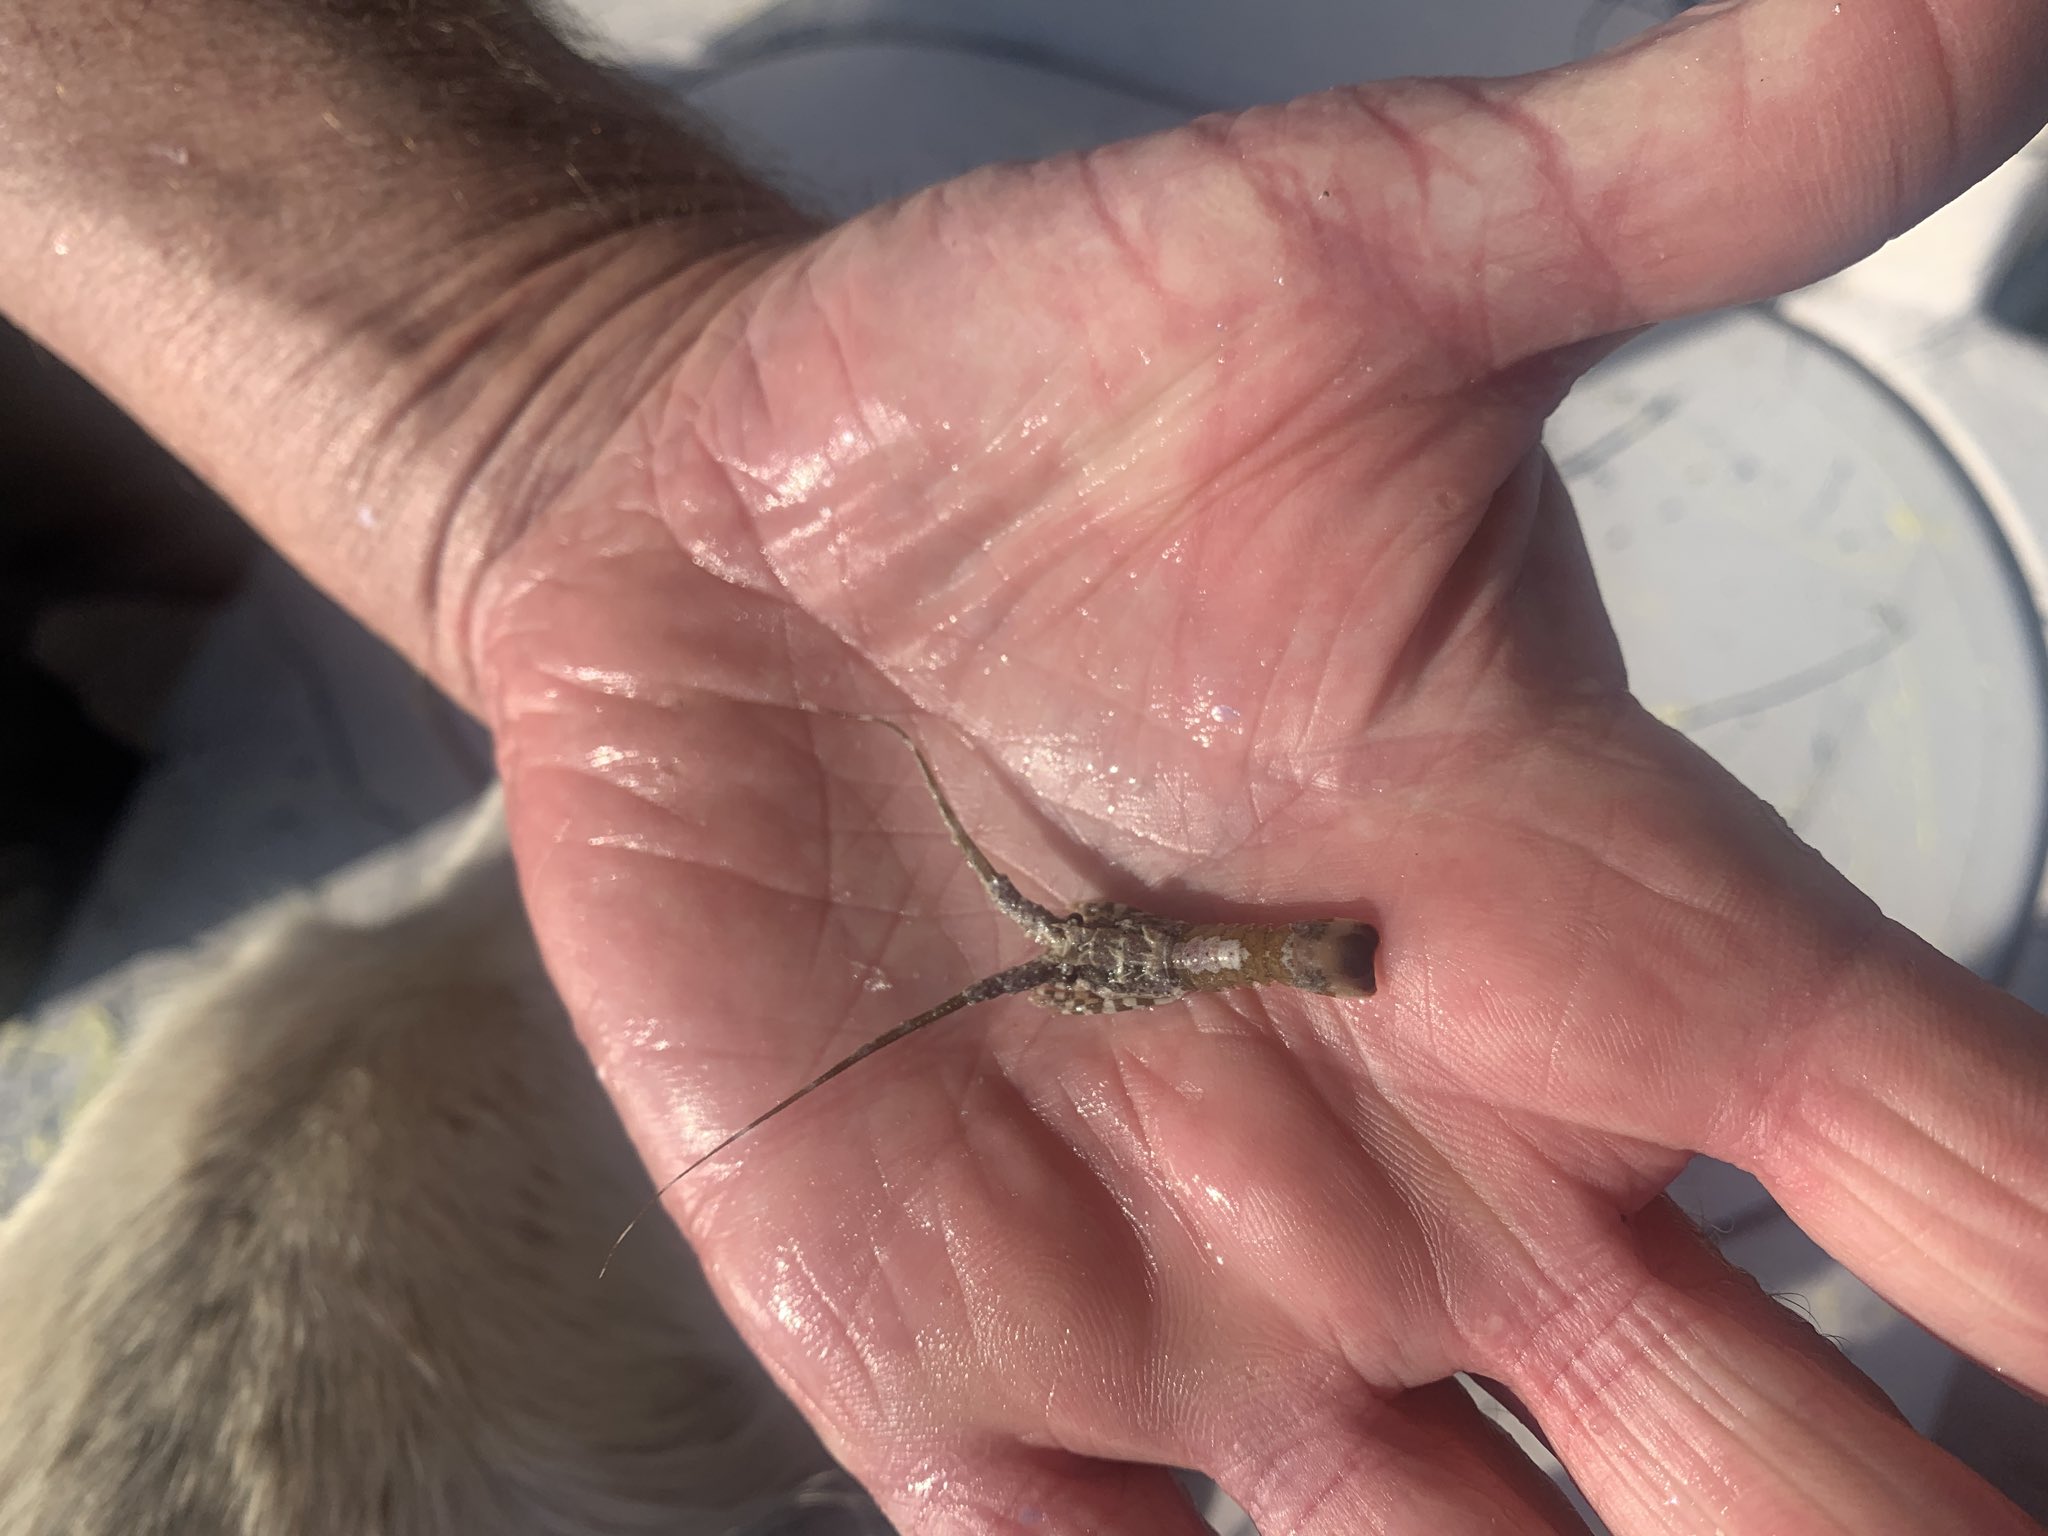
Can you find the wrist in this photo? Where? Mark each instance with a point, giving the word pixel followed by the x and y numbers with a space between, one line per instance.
pixel 386 278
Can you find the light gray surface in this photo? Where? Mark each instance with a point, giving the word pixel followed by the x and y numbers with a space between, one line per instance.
pixel 1226 53
pixel 1805 583
pixel 850 102
pixel 297 742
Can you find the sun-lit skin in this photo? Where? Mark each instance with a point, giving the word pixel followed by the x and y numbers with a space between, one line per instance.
pixel 1069 456
pixel 1187 495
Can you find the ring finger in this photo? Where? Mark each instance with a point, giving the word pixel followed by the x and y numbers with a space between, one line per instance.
pixel 1688 1400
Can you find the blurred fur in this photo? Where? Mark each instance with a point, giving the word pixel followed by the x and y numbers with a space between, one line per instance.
pixel 323 1257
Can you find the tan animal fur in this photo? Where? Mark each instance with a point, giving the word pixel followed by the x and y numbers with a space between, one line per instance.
pixel 322 1261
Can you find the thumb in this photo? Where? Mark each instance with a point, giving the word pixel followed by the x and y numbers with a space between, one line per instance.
pixel 1756 145
pixel 1744 148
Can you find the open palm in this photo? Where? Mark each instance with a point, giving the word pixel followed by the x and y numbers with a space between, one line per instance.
pixel 1185 500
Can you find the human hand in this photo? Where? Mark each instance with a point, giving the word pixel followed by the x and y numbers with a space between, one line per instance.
pixel 1193 486
pixel 1196 520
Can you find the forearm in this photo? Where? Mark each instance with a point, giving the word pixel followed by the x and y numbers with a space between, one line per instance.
pixel 331 251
